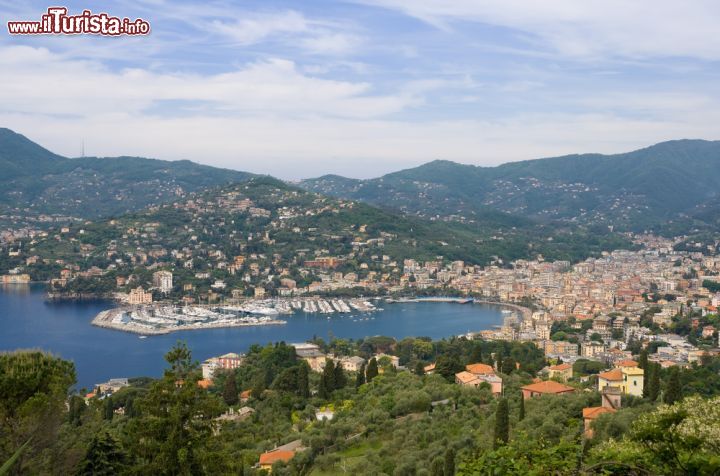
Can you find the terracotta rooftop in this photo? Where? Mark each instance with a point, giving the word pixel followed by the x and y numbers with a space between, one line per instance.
pixel 627 363
pixel 614 374
pixel 548 386
pixel 592 413
pixel 465 377
pixel 278 455
pixel 561 367
pixel 479 369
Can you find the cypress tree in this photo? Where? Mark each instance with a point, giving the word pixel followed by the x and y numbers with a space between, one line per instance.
pixel 104 457
pixel 419 369
pixel 449 469
pixel 328 377
pixel 360 378
pixel 76 407
pixel 303 383
pixel 108 410
pixel 508 365
pixel 230 391
pixel 258 386
pixel 673 389
pixel 322 388
pixel 521 415
pixel 502 424
pixel 130 409
pixel 653 382
pixel 499 360
pixel 437 467
pixel 643 364
pixel 340 377
pixel 477 355
pixel 372 370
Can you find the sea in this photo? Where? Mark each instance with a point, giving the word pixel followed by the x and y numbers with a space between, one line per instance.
pixel 28 321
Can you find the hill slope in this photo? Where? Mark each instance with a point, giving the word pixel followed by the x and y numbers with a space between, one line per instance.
pixel 651 188
pixel 287 225
pixel 38 182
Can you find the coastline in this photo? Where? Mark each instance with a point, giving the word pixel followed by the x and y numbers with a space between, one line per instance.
pixel 525 312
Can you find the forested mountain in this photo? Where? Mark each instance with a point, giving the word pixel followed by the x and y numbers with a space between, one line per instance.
pixel 35 181
pixel 671 183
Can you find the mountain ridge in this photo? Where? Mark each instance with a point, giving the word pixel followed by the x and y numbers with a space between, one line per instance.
pixel 37 182
pixel 633 190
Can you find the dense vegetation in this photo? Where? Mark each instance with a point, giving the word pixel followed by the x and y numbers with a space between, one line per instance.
pixel 386 420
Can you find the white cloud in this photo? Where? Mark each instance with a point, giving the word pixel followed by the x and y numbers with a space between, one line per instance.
pixel 252 29
pixel 588 28
pixel 38 82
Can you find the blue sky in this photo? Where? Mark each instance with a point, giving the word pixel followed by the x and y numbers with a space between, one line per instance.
pixel 362 88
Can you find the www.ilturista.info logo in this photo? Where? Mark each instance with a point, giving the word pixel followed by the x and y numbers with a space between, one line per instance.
pixel 58 22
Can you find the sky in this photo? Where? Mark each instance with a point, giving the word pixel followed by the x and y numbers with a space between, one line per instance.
pixel 361 88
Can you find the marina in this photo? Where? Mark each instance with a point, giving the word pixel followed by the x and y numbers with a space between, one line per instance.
pixel 155 319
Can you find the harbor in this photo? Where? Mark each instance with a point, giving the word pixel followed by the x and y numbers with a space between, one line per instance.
pixel 157 319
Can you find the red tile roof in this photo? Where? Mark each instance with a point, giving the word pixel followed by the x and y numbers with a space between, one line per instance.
pixel 627 363
pixel 479 369
pixel 561 367
pixel 592 413
pixel 465 377
pixel 548 386
pixel 272 456
pixel 614 374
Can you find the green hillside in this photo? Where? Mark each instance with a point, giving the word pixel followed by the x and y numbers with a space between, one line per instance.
pixel 662 187
pixel 284 225
pixel 38 182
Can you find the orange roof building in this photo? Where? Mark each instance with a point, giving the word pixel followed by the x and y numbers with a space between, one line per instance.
pixel 468 379
pixel 590 414
pixel 561 367
pixel 614 375
pixel 627 377
pixel 545 387
pixel 561 371
pixel 627 363
pixel 480 369
pixel 271 457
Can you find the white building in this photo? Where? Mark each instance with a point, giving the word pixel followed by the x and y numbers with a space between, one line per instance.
pixel 163 281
